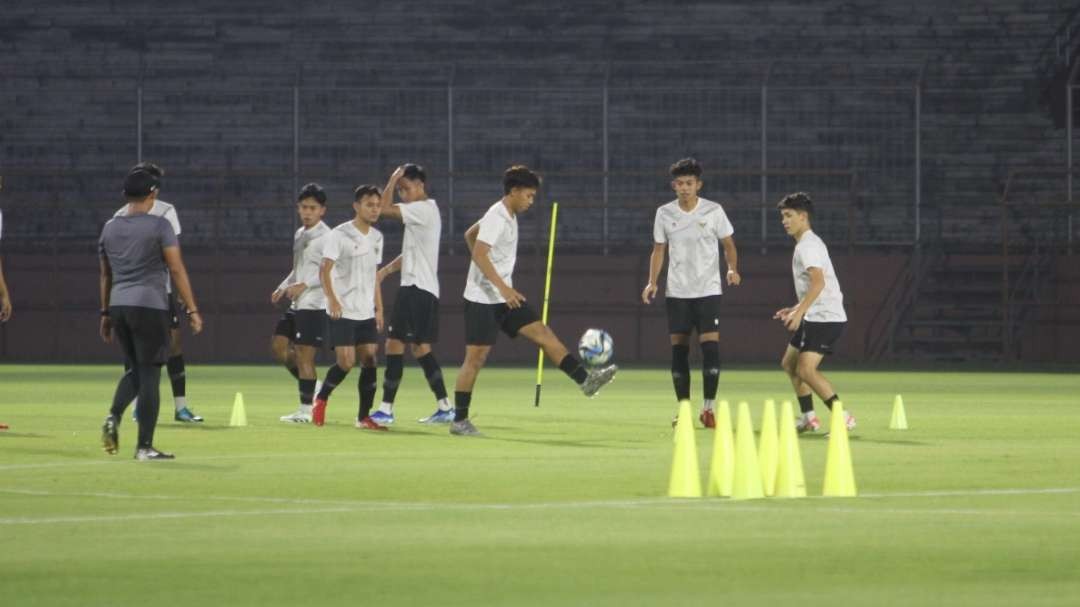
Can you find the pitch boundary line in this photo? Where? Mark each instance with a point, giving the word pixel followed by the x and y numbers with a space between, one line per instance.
pixel 349 506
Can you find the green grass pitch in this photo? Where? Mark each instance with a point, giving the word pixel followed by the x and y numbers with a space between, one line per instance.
pixel 977 504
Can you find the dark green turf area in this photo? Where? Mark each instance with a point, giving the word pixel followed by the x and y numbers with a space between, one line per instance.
pixel 977 504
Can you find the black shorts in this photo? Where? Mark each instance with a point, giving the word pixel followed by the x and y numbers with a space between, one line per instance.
pixel 415 319
pixel 286 325
pixel 175 311
pixel 143 333
pixel 483 321
pixel 684 316
pixel 817 336
pixel 310 327
pixel 348 332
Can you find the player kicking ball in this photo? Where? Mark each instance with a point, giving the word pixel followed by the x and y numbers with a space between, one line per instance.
pixel 817 320
pixel 351 256
pixel 492 304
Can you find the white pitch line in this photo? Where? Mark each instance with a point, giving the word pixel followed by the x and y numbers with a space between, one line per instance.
pixel 347 506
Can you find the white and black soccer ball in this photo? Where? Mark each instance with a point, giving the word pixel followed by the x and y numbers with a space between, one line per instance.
pixel 596 347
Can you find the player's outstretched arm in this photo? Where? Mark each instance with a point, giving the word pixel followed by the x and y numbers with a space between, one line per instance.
pixel 388 269
pixel 817 285
pixel 656 261
pixel 482 259
pixel 731 254
pixel 388 208
pixel 5 297
pixel 379 322
pixel 105 291
pixel 470 236
pixel 333 306
pixel 183 287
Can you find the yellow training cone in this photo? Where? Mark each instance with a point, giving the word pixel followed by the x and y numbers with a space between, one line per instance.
pixel 790 481
pixel 239 416
pixel 685 476
pixel 839 475
pixel 767 448
pixel 746 484
pixel 899 418
pixel 722 469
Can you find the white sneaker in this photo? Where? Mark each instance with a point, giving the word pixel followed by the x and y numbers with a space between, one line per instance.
pixel 808 422
pixel 301 416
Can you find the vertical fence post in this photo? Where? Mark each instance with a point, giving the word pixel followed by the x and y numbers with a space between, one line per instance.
pixel 918 160
pixel 1069 160
pixel 296 134
pixel 450 160
pixel 139 120
pixel 765 160
pixel 607 159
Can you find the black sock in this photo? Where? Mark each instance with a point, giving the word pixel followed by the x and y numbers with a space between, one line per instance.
pixel 433 373
pixel 334 376
pixel 307 391
pixel 368 384
pixel 680 371
pixel 462 400
pixel 126 391
pixel 832 399
pixel 395 368
pixel 710 368
pixel 149 378
pixel 294 371
pixel 806 403
pixel 177 376
pixel 572 367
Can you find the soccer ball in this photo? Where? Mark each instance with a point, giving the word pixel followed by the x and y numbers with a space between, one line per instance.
pixel 596 347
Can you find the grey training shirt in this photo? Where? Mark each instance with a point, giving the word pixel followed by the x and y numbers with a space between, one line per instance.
pixel 134 247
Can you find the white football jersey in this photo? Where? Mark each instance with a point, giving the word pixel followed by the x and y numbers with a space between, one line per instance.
pixel 356 258
pixel 499 229
pixel 307 256
pixel 811 252
pixel 693 241
pixel 160 209
pixel 420 245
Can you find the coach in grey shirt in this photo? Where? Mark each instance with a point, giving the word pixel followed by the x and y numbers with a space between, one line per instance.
pixel 136 250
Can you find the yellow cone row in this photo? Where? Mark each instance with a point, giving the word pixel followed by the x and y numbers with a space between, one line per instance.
pixel 773 468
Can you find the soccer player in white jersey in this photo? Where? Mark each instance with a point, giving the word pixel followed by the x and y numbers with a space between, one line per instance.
pixel 175 362
pixel 492 304
pixel 304 287
pixel 5 296
pixel 351 258
pixel 691 230
pixel 817 320
pixel 415 319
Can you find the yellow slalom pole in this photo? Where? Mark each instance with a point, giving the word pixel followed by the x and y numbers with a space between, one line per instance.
pixel 547 295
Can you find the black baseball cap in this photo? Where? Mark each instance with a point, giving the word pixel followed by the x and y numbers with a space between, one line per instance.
pixel 140 182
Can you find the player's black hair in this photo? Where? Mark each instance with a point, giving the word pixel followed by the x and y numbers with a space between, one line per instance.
pixel 139 183
pixel 798 201
pixel 365 190
pixel 686 167
pixel 415 172
pixel 312 190
pixel 149 167
pixel 520 176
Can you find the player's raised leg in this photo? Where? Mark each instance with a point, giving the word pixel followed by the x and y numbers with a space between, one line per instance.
pixel 590 381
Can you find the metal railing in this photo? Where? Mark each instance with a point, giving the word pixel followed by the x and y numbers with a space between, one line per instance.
pixel 602 136
pixel 1042 236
